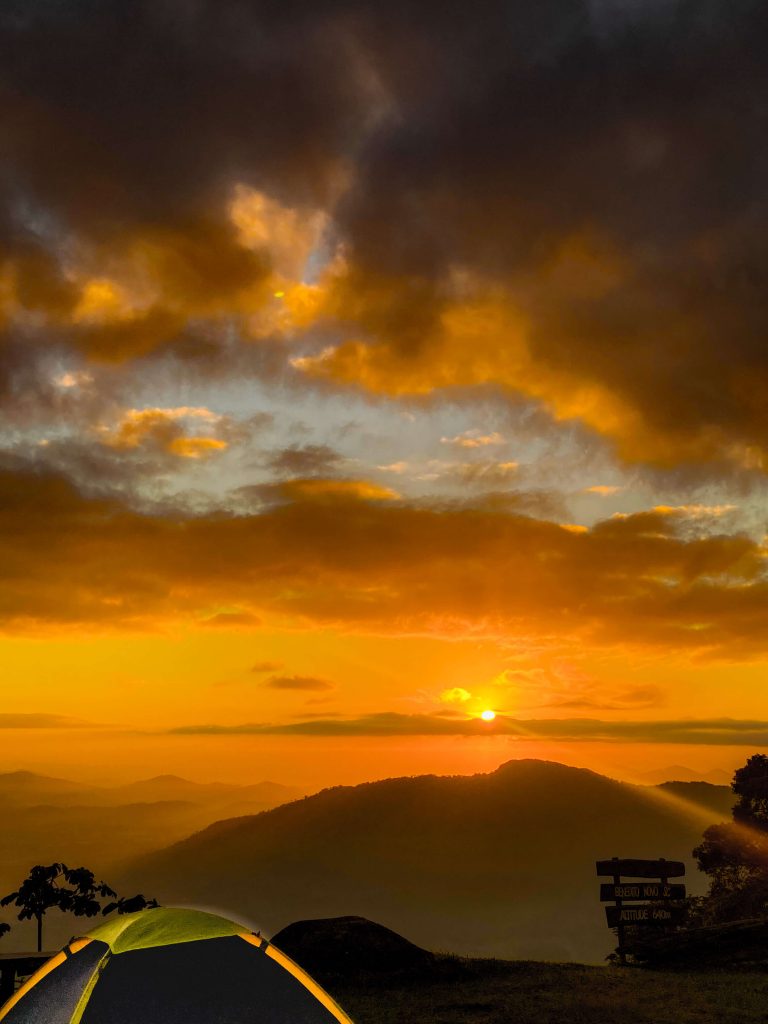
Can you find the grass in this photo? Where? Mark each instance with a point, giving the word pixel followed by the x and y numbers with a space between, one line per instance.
pixel 457 991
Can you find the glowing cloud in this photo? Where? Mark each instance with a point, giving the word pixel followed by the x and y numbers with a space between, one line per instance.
pixel 456 695
pixel 165 429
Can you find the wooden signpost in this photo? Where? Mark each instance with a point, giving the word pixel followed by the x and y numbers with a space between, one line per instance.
pixel 625 889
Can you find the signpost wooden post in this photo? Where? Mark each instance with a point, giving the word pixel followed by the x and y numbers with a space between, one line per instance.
pixel 626 888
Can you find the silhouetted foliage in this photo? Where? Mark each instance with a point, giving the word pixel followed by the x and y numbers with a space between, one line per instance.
pixel 36 895
pixel 72 890
pixel 81 899
pixel 750 783
pixel 735 854
pixel 130 904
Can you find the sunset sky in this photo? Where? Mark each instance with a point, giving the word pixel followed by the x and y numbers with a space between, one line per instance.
pixel 365 366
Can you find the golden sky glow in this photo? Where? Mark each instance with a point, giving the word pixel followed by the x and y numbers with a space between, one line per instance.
pixel 351 417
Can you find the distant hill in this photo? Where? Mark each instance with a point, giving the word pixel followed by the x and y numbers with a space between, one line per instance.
pixel 679 773
pixel 55 819
pixel 719 799
pixel 497 864
pixel 46 819
pixel 28 787
pixel 228 799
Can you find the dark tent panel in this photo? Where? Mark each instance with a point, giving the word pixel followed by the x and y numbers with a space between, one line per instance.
pixel 221 980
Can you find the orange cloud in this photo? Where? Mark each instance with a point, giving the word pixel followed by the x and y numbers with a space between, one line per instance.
pixel 456 695
pixel 165 429
pixel 287 234
pixel 546 335
pixel 342 557
pixel 487 340
pixel 318 490
pixel 473 439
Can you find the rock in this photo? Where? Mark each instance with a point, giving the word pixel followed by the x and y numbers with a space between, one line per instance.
pixel 349 945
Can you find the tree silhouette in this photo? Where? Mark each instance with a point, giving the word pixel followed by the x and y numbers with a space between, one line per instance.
pixel 81 898
pixel 750 784
pixel 42 890
pixel 36 894
pixel 735 854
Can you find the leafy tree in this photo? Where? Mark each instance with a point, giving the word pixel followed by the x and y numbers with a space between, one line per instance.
pixel 735 854
pixel 43 889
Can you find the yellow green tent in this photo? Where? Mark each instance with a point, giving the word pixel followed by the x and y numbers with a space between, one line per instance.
pixel 171 966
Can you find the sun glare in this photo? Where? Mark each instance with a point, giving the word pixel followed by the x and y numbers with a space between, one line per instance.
pixel 488 716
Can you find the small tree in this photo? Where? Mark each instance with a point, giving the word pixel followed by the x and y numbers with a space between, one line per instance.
pixel 42 890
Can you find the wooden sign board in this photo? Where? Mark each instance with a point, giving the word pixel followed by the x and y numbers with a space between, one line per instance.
pixel 641 891
pixel 644 915
pixel 641 868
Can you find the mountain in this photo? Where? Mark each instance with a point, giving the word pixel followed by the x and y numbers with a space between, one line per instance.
pixel 499 864
pixel 718 799
pixel 229 799
pixel 47 819
pixel 22 788
pixel 28 787
pixel 679 773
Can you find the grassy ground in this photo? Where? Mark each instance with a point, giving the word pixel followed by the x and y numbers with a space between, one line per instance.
pixel 498 992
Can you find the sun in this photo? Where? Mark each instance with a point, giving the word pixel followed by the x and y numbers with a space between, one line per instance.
pixel 488 716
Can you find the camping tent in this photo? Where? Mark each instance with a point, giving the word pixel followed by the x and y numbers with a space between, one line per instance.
pixel 168 966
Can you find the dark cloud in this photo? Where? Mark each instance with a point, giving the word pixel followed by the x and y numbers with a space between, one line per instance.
pixel 266 666
pixel 305 460
pixel 154 110
pixel 713 731
pixel 84 433
pixel 594 173
pixel 605 191
pixel 298 683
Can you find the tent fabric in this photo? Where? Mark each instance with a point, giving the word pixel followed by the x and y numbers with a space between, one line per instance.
pixel 207 971
pixel 162 927
pixel 53 993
